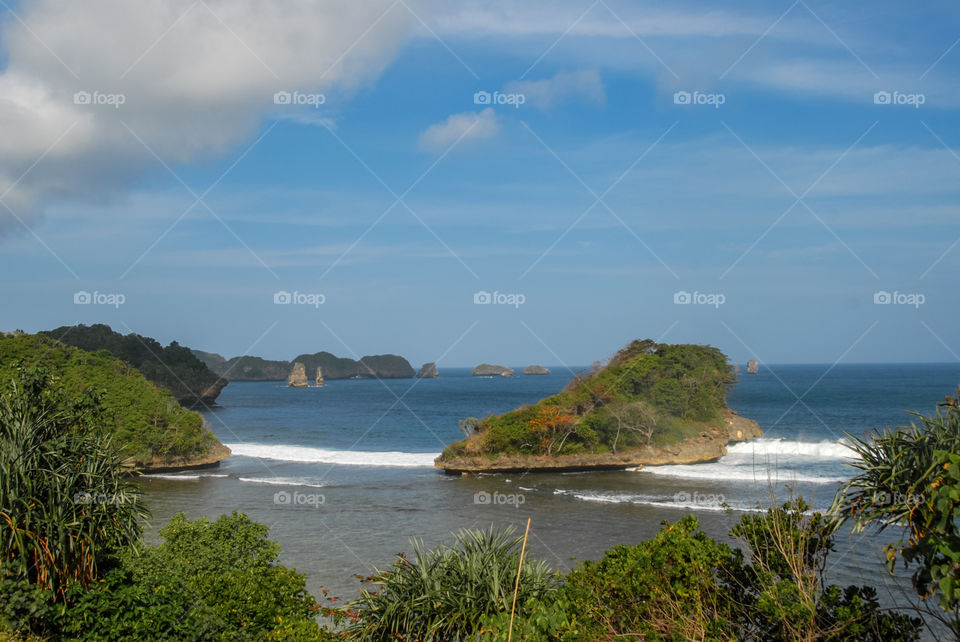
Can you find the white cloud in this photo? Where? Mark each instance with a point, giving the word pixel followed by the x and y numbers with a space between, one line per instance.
pixel 563 86
pixel 460 128
pixel 196 80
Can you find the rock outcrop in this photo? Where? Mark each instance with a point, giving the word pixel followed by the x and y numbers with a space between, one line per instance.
pixel 298 376
pixel 752 366
pixel 536 370
pixel 490 370
pixel 709 445
pixel 319 376
pixel 428 371
pixel 210 459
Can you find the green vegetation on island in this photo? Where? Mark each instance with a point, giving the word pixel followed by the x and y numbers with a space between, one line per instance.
pixel 649 396
pixel 148 426
pixel 384 366
pixel 174 367
pixel 73 564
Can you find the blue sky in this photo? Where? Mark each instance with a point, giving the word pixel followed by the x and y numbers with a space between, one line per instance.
pixel 784 212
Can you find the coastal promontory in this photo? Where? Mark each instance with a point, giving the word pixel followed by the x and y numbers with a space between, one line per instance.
pixel 651 404
pixel 149 428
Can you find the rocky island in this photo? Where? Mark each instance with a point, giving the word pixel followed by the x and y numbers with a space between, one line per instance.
pixel 652 404
pixel 536 370
pixel 428 371
pixel 298 376
pixel 490 370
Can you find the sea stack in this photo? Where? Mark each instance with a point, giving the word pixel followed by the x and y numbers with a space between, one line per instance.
pixel 319 377
pixel 752 366
pixel 298 376
pixel 428 371
pixel 536 370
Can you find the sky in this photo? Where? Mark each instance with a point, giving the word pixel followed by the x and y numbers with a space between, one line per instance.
pixel 466 182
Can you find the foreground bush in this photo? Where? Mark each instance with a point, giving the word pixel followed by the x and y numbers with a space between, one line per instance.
pixel 65 505
pixel 909 480
pixel 444 594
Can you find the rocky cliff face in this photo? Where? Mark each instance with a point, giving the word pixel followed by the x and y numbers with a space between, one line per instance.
pixel 298 376
pixel 319 377
pixel 709 445
pixel 428 371
pixel 490 370
pixel 535 370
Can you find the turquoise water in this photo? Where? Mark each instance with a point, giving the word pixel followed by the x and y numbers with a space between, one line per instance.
pixel 343 474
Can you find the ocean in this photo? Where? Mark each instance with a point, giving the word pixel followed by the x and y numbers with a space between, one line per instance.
pixel 343 475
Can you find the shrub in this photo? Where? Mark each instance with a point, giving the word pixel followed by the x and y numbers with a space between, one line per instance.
pixel 444 594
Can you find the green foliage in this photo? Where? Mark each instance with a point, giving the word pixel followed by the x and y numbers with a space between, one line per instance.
pixel 683 585
pixel 146 423
pixel 444 594
pixel 65 504
pixel 175 367
pixel 648 394
pixel 909 479
pixel 782 594
pixel 207 581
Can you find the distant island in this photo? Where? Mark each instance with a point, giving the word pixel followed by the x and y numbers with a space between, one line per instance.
pixel 536 370
pixel 154 433
pixel 490 370
pixel 652 404
pixel 384 366
pixel 174 367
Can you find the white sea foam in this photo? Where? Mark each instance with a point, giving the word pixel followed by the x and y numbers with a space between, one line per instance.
pixel 652 500
pixel 282 481
pixel 785 448
pixel 307 454
pixel 193 477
